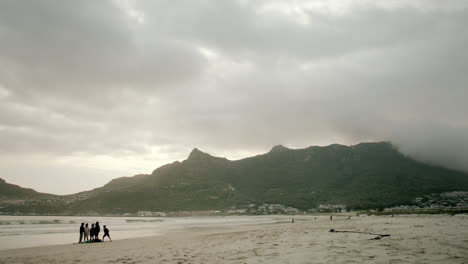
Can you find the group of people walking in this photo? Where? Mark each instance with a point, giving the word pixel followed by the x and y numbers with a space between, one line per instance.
pixel 92 234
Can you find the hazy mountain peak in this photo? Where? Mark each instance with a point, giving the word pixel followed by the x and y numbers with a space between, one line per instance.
pixel 197 154
pixel 278 148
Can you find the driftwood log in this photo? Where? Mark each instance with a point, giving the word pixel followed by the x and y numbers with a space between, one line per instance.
pixel 378 236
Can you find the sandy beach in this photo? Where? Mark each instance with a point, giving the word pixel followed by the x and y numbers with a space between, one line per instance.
pixel 413 239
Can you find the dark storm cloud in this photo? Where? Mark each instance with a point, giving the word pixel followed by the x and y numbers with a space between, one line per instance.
pixel 123 78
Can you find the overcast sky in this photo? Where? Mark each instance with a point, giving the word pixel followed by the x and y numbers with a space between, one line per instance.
pixel 93 90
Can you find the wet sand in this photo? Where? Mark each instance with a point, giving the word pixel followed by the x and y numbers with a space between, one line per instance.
pixel 413 239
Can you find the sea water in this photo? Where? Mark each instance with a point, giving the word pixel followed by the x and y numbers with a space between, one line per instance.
pixel 32 231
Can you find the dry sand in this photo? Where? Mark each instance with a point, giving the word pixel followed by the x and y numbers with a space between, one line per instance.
pixel 414 239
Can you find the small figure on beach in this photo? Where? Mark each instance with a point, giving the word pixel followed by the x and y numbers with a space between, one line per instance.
pixel 106 234
pixel 81 232
pixel 97 229
pixel 91 232
pixel 292 220
pixel 86 232
pixel 331 218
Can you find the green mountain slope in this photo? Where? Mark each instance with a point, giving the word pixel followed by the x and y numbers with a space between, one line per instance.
pixel 367 175
pixel 14 198
pixel 11 191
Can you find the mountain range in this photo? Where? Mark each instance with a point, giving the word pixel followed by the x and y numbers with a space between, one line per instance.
pixel 362 176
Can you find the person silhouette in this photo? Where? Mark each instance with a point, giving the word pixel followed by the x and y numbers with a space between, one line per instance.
pixel 81 232
pixel 97 229
pixel 106 234
pixel 91 232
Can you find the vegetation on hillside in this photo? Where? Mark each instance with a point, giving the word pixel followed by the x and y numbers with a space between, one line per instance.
pixel 363 176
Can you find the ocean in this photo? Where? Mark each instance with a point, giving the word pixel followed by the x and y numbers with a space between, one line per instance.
pixel 33 231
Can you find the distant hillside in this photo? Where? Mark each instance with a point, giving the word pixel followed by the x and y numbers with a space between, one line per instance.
pixel 8 191
pixel 14 198
pixel 367 175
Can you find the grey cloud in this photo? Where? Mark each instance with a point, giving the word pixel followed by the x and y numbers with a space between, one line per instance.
pixel 241 31
pixel 84 78
pixel 85 49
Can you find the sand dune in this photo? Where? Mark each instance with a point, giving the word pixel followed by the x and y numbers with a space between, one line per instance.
pixel 413 239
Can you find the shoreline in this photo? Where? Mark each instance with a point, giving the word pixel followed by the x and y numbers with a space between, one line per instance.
pixel 182 215
pixel 413 239
pixel 32 231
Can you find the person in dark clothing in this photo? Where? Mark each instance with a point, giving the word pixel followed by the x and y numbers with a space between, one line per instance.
pixel 81 232
pixel 106 234
pixel 97 229
pixel 91 232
